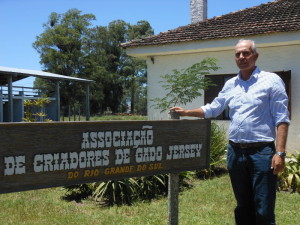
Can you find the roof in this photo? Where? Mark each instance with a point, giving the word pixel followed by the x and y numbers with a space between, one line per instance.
pixel 272 17
pixel 19 74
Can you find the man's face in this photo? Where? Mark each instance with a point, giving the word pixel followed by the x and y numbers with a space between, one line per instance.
pixel 244 57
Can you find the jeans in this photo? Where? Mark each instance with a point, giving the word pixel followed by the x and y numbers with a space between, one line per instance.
pixel 253 183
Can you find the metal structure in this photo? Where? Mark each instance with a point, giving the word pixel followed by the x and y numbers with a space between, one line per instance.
pixel 12 98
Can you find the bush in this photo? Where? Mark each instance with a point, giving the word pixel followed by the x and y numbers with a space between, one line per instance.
pixel 126 191
pixel 218 147
pixel 35 110
pixel 117 192
pixel 289 179
pixel 152 186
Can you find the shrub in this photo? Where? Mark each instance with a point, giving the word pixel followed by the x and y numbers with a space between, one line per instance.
pixel 117 192
pixel 152 186
pixel 289 179
pixel 126 191
pixel 218 147
pixel 35 110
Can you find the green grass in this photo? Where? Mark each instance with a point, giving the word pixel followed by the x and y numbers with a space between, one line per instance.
pixel 208 202
pixel 119 117
pixel 106 117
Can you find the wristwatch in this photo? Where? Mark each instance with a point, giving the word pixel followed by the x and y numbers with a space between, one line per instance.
pixel 281 154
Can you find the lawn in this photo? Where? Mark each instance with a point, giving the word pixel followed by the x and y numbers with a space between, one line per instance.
pixel 208 202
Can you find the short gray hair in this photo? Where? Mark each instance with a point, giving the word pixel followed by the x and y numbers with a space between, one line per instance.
pixel 253 46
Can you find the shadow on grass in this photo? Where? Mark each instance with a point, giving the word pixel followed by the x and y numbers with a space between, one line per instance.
pixel 211 173
pixel 77 193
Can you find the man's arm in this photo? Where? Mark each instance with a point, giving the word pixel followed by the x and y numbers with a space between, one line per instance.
pixel 278 161
pixel 189 112
pixel 282 133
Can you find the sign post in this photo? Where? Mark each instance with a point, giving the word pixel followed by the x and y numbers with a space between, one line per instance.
pixel 173 188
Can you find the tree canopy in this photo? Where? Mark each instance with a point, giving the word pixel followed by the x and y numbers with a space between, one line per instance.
pixel 70 45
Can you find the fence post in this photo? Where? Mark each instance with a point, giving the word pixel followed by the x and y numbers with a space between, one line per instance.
pixel 173 188
pixel 69 112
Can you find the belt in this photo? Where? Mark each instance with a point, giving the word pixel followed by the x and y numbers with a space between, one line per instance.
pixel 250 145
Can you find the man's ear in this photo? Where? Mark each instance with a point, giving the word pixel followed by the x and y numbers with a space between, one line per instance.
pixel 256 56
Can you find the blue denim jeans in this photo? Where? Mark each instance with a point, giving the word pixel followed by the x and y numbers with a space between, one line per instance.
pixel 253 183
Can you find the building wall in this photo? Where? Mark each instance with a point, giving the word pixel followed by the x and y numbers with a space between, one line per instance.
pixel 273 57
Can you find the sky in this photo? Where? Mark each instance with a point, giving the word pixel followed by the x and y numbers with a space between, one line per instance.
pixel 21 21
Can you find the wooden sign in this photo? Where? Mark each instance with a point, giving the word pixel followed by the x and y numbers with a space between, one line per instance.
pixel 43 155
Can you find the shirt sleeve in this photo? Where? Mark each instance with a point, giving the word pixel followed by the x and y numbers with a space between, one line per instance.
pixel 279 102
pixel 217 106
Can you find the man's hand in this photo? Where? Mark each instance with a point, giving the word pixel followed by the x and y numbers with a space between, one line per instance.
pixel 190 112
pixel 179 110
pixel 278 164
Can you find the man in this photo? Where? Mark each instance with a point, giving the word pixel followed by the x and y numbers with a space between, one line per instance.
pixel 258 110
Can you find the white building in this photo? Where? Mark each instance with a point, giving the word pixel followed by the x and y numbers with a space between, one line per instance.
pixel 274 26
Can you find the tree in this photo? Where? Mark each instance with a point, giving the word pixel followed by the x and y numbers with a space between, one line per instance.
pixel 135 79
pixel 60 48
pixel 120 75
pixel 184 86
pixel 70 46
pixel 135 72
pixel 140 100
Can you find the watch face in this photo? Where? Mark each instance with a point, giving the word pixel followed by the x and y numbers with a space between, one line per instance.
pixel 282 154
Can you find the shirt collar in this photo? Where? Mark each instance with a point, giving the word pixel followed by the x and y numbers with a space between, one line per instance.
pixel 254 74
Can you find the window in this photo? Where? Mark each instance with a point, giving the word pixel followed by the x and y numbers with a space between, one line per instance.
pixel 286 77
pixel 219 81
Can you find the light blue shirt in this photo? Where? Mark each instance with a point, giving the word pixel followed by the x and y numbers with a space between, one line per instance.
pixel 256 106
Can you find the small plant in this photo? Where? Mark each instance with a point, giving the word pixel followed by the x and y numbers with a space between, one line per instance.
pixel 152 186
pixel 218 144
pixel 218 147
pixel 184 86
pixel 126 191
pixel 117 192
pixel 35 109
pixel 289 179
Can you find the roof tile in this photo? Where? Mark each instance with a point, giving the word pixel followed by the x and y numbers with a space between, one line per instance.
pixel 272 17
